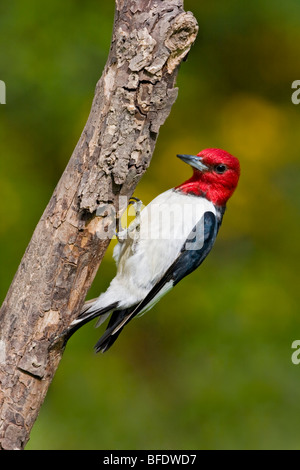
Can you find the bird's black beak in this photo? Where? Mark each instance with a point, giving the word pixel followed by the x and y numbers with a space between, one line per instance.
pixel 194 161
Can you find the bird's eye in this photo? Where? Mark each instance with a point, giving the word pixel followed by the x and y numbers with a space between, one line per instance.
pixel 220 169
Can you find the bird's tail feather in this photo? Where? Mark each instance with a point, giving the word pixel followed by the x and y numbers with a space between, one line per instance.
pixel 87 314
pixel 120 318
pixel 113 329
pixel 87 305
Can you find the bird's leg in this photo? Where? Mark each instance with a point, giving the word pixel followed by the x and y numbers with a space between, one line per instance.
pixel 134 227
pixel 122 233
pixel 137 205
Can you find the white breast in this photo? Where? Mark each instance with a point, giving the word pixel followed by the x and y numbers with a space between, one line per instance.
pixel 164 227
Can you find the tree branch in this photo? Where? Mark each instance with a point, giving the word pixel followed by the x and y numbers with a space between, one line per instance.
pixel 132 100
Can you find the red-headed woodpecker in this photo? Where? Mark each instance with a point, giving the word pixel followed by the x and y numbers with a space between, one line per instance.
pixel 167 240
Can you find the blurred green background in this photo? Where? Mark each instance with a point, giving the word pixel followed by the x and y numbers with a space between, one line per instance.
pixel 210 367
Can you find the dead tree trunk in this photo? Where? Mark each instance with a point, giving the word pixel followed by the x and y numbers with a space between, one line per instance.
pixel 132 100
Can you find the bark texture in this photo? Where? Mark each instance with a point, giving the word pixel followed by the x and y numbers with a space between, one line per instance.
pixel 132 100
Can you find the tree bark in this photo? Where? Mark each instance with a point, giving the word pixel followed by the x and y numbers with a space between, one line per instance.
pixel 132 100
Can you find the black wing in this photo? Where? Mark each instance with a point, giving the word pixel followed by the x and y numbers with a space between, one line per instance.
pixel 192 254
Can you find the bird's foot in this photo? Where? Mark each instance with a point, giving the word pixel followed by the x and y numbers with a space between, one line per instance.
pixel 123 233
pixel 137 205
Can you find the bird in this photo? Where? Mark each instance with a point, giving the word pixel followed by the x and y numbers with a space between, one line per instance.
pixel 167 240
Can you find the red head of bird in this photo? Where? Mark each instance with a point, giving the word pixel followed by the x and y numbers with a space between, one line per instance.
pixel 216 175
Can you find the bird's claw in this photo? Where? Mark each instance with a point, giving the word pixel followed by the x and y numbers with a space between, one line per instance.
pixel 122 234
pixel 137 204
